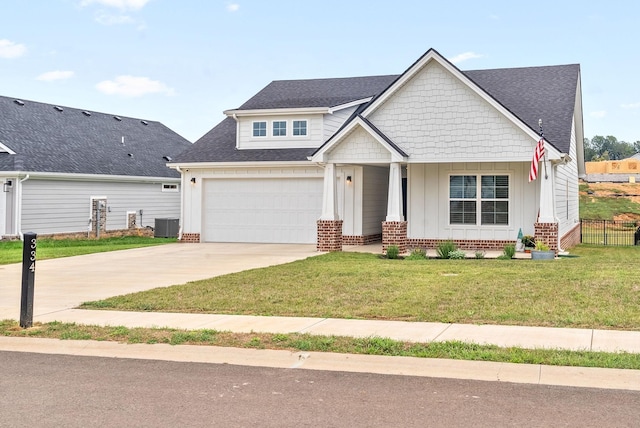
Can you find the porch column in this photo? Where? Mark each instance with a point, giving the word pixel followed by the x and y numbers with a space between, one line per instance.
pixel 394 228
pixel 329 224
pixel 546 228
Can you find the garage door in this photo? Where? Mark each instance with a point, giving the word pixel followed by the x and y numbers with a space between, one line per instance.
pixel 275 210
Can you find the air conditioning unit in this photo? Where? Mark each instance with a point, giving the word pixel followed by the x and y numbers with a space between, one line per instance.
pixel 166 228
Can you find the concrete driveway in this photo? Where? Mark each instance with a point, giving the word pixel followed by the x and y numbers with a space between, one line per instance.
pixel 65 283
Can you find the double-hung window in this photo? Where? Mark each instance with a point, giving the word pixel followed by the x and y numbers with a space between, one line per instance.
pixel 259 129
pixel 279 128
pixel 479 199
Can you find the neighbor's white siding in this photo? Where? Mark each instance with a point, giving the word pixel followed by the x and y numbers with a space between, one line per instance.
pixel 57 206
pixel 428 201
pixel 435 117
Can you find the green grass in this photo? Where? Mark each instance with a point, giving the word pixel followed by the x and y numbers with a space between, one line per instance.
pixel 311 343
pixel 606 208
pixel 11 251
pixel 597 289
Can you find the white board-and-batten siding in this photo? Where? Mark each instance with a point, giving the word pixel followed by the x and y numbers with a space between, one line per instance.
pixel 59 206
pixel 566 191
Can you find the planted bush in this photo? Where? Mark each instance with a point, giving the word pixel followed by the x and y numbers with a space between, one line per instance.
pixel 445 248
pixel 417 254
pixel 509 251
pixel 457 255
pixel 393 252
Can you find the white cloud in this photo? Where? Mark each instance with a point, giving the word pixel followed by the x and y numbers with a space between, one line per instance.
pixel 9 49
pixel 107 19
pixel 464 56
pixel 598 114
pixel 233 7
pixel 50 76
pixel 131 86
pixel 120 4
pixel 631 106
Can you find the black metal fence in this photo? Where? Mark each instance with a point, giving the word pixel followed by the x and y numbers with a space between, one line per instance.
pixel 609 232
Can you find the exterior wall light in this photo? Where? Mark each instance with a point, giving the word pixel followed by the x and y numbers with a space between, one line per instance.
pixel 193 180
pixel 348 179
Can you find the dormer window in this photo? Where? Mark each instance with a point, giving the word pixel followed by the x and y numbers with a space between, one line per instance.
pixel 299 127
pixel 259 129
pixel 280 128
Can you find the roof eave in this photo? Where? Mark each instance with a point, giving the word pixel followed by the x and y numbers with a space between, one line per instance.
pixel 278 111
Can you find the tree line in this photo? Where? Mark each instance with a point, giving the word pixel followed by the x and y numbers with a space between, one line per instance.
pixel 601 148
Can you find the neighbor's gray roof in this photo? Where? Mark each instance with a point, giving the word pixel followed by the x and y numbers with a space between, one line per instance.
pixel 530 93
pixel 49 138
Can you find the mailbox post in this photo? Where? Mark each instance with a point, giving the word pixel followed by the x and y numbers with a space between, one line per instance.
pixel 28 279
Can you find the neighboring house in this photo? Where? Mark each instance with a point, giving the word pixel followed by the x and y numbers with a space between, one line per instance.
pixel 430 155
pixel 616 171
pixel 62 168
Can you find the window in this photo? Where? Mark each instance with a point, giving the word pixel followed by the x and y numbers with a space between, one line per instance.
pixel 493 200
pixel 299 127
pixel 169 187
pixel 259 129
pixel 279 128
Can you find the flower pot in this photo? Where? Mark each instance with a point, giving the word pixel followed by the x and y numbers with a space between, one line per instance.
pixel 542 255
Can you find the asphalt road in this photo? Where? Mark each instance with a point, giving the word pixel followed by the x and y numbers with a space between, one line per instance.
pixel 41 390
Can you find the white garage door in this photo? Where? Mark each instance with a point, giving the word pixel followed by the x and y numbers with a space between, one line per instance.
pixel 275 210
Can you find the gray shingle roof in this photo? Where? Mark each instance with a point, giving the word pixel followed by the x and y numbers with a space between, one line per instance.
pixel 66 140
pixel 530 93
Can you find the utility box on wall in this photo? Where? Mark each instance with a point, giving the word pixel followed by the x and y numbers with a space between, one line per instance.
pixel 166 228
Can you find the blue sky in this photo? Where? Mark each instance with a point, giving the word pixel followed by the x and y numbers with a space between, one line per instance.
pixel 183 62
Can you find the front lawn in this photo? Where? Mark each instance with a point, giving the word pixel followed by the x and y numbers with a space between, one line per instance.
pixel 597 289
pixel 11 251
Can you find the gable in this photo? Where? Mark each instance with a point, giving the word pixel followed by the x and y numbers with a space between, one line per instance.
pixel 435 116
pixel 359 146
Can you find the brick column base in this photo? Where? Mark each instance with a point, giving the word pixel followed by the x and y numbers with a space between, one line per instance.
pixel 547 233
pixel 394 233
pixel 329 235
pixel 190 237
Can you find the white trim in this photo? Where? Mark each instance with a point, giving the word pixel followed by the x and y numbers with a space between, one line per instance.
pixel 253 164
pixel 347 105
pixel 478 199
pixel 266 129
pixel 6 149
pixel 278 111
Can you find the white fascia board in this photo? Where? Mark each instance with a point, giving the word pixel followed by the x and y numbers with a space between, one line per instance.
pixel 88 177
pixel 257 164
pixel 277 111
pixel 347 105
pixel 6 149
pixel 320 156
pixel 434 56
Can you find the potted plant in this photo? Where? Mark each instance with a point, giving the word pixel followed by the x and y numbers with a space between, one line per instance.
pixel 529 243
pixel 542 252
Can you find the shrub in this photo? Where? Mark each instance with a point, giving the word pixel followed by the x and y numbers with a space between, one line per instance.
pixel 417 254
pixel 509 251
pixel 503 257
pixel 393 251
pixel 542 246
pixel 457 255
pixel 445 248
pixel 480 254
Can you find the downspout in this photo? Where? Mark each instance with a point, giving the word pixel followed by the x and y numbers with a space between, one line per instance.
pixel 18 209
pixel 182 191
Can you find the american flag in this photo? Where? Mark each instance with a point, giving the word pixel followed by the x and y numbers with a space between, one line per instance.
pixel 537 155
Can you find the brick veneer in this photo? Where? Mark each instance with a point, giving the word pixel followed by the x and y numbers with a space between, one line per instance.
pixel 571 238
pixel 462 244
pixel 547 233
pixel 394 233
pixel 361 239
pixel 190 238
pixel 329 235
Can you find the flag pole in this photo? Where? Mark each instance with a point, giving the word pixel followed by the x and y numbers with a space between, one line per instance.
pixel 544 161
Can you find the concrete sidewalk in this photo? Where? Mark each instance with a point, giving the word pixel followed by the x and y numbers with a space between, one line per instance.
pixel 62 284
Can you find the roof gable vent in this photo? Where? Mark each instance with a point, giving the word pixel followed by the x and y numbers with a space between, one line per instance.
pixel 19 102
pixel 58 108
pixel 117 118
pixel 144 122
pixel 86 113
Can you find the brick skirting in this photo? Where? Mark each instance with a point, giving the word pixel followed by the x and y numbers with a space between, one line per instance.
pixel 361 239
pixel 116 233
pixel 547 233
pixel 571 238
pixel 329 235
pixel 394 233
pixel 190 238
pixel 462 244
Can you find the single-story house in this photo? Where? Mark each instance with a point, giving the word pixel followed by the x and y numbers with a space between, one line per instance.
pixel 430 155
pixel 62 169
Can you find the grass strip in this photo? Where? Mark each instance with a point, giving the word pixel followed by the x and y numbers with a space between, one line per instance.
pixel 296 342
